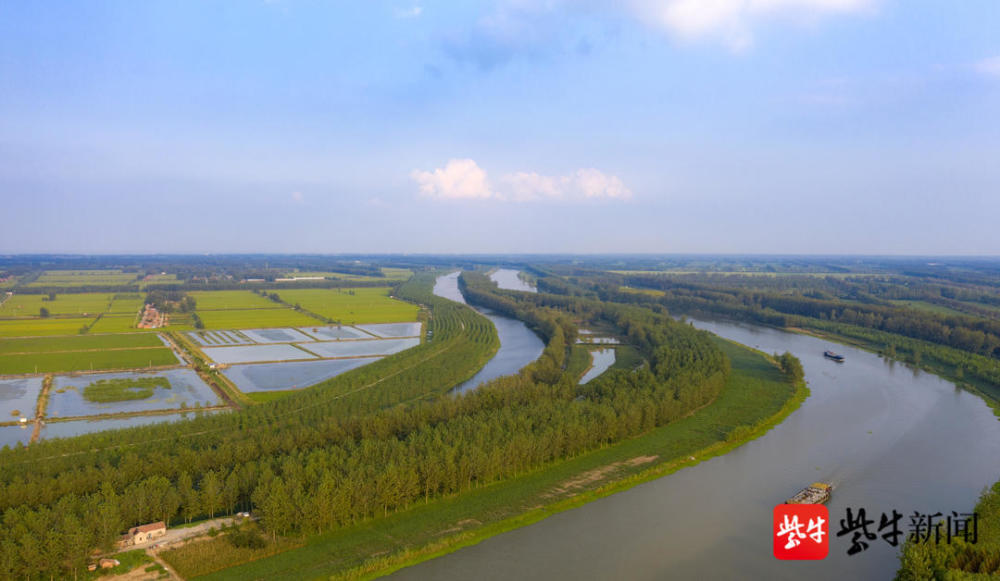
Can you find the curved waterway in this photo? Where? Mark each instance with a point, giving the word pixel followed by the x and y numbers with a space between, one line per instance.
pixel 519 346
pixel 510 279
pixel 887 436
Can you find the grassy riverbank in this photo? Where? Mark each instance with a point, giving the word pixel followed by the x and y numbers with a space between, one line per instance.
pixel 756 397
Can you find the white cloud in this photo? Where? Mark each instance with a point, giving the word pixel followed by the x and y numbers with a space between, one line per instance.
pixel 411 12
pixel 464 179
pixel 989 67
pixel 732 21
pixel 460 179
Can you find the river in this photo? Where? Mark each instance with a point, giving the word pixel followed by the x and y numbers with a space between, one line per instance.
pixel 887 436
pixel 510 279
pixel 519 346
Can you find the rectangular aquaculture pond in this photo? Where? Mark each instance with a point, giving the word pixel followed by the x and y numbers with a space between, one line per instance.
pixel 393 329
pixel 361 348
pixel 293 375
pixel 18 398
pixel 128 392
pixel 251 353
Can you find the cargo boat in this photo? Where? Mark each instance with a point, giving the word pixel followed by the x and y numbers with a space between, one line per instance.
pixel 815 493
pixel 835 356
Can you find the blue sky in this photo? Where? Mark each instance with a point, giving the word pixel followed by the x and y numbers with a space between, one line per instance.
pixel 750 126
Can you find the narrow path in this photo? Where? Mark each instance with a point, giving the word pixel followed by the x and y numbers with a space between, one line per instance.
pixel 43 401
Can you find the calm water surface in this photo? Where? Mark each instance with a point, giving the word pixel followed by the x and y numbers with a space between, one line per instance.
pixel 886 436
pixel 507 278
pixel 601 360
pixel 518 345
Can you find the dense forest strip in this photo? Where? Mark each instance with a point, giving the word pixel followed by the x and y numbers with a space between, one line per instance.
pixel 756 396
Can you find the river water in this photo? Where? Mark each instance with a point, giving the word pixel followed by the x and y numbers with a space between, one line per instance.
pixel 507 278
pixel 519 346
pixel 887 436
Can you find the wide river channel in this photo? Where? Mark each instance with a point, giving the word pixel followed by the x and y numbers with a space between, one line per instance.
pixel 887 436
pixel 519 346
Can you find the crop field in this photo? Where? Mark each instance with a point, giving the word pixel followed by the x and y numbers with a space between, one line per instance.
pixel 252 318
pixel 79 343
pixel 21 305
pixel 159 279
pixel 231 300
pixel 40 327
pixel 351 306
pixel 129 303
pixel 54 361
pixel 116 324
pixel 84 278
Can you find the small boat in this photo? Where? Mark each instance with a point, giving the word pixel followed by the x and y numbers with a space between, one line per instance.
pixel 815 493
pixel 835 356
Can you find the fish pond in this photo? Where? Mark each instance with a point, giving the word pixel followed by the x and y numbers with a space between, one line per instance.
pixel 11 435
pixel 127 392
pixel 292 375
pixel 18 398
pixel 392 330
pixel 361 348
pixel 251 353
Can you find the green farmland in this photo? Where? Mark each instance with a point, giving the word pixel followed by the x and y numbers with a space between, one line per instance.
pixel 86 360
pixel 83 353
pixel 79 343
pixel 230 300
pixel 21 305
pixel 64 278
pixel 42 327
pixel 352 306
pixel 252 318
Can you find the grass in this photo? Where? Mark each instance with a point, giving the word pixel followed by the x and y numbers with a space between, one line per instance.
pixel 352 306
pixel 42 327
pixel 123 389
pixel 21 305
pixel 51 362
pixel 253 318
pixel 756 395
pixel 230 300
pixel 129 560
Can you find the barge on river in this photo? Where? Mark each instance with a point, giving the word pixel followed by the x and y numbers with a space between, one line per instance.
pixel 835 356
pixel 815 493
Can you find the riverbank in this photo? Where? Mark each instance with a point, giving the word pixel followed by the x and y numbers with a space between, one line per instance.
pixel 756 398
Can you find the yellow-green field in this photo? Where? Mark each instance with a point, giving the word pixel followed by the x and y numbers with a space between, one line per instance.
pixel 253 318
pixel 226 300
pixel 83 352
pixel 84 278
pixel 21 305
pixel 352 306
pixel 40 327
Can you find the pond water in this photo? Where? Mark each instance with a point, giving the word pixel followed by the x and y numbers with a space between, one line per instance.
pixel 519 346
pixel 334 333
pixel 11 435
pixel 276 335
pixel 294 375
pixel 19 395
pixel 508 279
pixel 886 436
pixel 80 427
pixel 361 348
pixel 393 329
pixel 601 360
pixel 251 353
pixel 216 338
pixel 186 388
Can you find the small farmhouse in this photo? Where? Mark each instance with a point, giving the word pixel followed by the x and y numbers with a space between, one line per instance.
pixel 143 533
